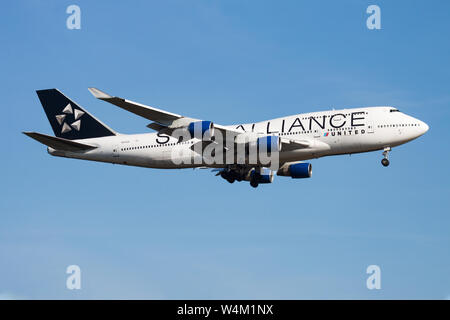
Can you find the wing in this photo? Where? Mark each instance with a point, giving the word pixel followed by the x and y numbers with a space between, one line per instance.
pixel 162 119
pixel 291 144
pixel 166 122
pixel 150 113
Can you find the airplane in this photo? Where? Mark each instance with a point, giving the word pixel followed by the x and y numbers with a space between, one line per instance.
pixel 293 139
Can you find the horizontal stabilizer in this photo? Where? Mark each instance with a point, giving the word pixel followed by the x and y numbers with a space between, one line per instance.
pixel 59 143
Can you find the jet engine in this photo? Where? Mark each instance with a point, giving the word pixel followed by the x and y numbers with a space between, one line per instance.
pixel 264 175
pixel 203 129
pixel 296 170
pixel 253 140
pixel 269 143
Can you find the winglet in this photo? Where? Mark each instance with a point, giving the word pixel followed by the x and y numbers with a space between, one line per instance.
pixel 99 94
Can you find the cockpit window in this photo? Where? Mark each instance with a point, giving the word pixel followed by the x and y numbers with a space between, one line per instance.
pixel 394 110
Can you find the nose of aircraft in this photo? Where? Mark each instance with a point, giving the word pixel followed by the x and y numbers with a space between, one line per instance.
pixel 423 127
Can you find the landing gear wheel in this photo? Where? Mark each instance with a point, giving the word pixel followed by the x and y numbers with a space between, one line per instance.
pixel 230 180
pixel 254 184
pixel 385 160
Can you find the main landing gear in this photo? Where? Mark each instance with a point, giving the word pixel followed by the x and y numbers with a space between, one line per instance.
pixel 254 183
pixel 385 160
pixel 227 176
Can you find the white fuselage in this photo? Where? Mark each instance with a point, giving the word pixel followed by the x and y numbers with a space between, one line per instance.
pixel 336 132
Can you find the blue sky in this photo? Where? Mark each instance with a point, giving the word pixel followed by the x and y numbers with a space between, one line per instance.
pixel 145 234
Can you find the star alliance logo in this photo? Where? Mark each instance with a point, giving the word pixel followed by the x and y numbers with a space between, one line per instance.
pixel 62 117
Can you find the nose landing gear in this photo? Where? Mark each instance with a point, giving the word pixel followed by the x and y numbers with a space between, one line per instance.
pixel 385 160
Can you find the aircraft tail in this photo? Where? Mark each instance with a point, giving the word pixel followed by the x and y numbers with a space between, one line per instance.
pixel 68 119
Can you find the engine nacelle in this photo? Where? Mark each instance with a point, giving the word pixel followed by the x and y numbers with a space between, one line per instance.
pixel 253 140
pixel 269 143
pixel 297 170
pixel 203 129
pixel 265 175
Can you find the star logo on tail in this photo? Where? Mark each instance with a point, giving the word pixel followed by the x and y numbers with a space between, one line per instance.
pixel 61 118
